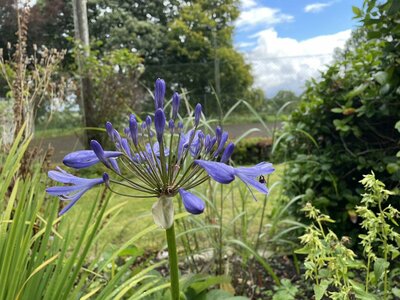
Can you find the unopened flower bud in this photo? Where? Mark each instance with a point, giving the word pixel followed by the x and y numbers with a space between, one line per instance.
pixel 228 152
pixel 175 105
pixel 148 121
pixel 159 123
pixel 98 150
pixel 171 125
pixel 197 114
pixel 133 128
pixel 106 179
pixel 159 93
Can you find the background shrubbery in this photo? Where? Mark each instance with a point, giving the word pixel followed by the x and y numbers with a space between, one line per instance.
pixel 347 123
pixel 252 151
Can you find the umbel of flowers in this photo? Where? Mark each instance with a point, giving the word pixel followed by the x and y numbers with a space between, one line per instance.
pixel 159 160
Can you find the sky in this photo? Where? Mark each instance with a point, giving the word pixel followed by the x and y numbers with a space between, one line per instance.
pixel 287 42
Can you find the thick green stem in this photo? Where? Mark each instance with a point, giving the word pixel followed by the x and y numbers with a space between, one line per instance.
pixel 173 262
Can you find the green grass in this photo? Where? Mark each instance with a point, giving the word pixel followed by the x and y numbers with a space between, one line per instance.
pixel 247 118
pixel 56 132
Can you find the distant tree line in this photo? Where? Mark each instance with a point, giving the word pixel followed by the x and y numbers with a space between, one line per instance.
pixel 188 43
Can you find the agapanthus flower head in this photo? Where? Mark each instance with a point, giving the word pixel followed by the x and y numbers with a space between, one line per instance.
pixel 170 163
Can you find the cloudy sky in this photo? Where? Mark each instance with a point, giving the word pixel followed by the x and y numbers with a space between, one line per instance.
pixel 289 41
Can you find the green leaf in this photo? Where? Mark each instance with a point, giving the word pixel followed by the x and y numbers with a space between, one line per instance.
pixel 319 290
pixel 357 12
pixel 396 292
pixel 381 77
pixel 397 126
pixel 356 91
pixel 360 293
pixel 207 282
pixel 219 294
pixel 392 168
pixel 131 251
pixel 337 110
pixel 380 267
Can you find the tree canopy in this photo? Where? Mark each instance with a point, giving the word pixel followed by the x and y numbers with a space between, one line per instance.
pixel 188 43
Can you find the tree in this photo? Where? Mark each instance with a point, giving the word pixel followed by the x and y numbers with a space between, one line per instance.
pixel 180 41
pixel 201 41
pixel 283 98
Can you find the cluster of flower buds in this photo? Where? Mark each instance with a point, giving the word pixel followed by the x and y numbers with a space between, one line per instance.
pixel 159 160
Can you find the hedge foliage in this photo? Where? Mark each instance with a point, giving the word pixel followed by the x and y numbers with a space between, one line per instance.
pixel 252 150
pixel 347 123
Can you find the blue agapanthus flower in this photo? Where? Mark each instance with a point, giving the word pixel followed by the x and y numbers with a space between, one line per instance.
pixel 157 157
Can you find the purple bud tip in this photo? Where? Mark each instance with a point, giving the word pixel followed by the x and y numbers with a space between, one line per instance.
pixel 159 93
pixel 143 125
pixel 106 179
pixel 218 133
pixel 201 135
pixel 228 152
pixel 98 150
pixel 180 125
pixel 159 123
pixel 116 136
pixel 133 128
pixel 197 114
pixel 175 104
pixel 171 125
pixel 148 121
pixel 109 129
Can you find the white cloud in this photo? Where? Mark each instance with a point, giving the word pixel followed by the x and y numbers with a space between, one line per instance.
pixel 261 15
pixel 245 4
pixel 316 7
pixel 245 44
pixel 286 63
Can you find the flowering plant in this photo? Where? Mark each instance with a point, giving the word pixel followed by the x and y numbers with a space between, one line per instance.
pixel 161 161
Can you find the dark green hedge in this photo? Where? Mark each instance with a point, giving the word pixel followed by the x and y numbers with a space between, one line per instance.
pixel 252 151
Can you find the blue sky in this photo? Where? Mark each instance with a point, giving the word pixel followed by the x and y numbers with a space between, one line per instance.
pixel 289 41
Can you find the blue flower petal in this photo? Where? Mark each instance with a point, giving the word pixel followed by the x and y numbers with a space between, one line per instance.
pixel 220 172
pixel 192 203
pixel 261 187
pixel 62 190
pixel 72 192
pixel 85 158
pixel 73 199
pixel 262 168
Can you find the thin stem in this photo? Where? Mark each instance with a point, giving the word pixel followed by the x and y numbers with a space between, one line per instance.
pixel 367 278
pixel 220 230
pixel 173 262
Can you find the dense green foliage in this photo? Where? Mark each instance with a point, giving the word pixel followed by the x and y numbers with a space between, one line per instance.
pixel 188 43
pixel 283 102
pixel 252 150
pixel 347 122
pixel 335 269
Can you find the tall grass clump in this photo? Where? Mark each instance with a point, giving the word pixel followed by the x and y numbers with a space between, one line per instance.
pixel 44 256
